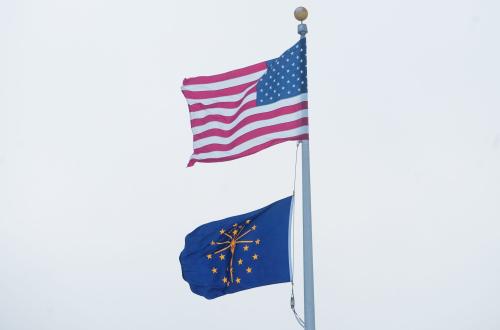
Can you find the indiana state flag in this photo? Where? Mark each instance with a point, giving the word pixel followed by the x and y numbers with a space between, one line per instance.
pixel 240 252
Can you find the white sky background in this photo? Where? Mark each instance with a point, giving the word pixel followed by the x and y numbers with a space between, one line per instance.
pixel 95 198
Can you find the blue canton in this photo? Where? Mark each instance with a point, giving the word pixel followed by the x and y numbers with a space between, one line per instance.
pixel 286 76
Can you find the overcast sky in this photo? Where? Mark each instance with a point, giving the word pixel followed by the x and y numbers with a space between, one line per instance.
pixel 95 196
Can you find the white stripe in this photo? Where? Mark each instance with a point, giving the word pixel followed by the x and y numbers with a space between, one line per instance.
pixel 221 111
pixel 260 109
pixel 250 127
pixel 252 143
pixel 227 98
pixel 225 83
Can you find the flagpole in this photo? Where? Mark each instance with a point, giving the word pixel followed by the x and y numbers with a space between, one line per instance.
pixel 309 319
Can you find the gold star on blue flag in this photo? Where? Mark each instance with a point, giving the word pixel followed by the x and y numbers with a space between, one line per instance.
pixel 240 252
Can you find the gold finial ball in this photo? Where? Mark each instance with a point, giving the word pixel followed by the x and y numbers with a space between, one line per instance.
pixel 300 13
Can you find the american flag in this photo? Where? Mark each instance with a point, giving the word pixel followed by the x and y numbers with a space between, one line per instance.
pixel 244 111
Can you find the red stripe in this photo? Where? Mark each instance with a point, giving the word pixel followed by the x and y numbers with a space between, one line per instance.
pixel 209 118
pixel 219 92
pixel 252 135
pixel 225 105
pixel 250 151
pixel 229 119
pixel 225 76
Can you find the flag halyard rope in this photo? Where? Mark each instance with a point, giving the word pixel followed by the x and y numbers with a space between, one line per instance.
pixel 292 297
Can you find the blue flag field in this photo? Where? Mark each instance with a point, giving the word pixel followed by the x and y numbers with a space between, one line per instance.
pixel 240 252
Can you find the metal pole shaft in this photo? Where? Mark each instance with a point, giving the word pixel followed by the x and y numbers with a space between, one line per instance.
pixel 307 240
pixel 309 318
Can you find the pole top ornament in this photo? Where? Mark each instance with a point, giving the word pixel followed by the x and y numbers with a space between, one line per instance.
pixel 300 14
